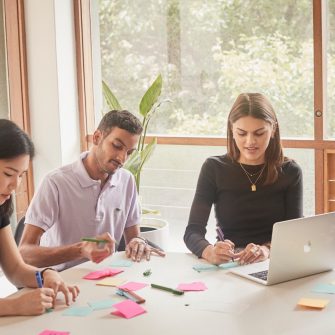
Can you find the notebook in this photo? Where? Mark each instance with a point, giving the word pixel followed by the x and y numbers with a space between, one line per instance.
pixel 299 248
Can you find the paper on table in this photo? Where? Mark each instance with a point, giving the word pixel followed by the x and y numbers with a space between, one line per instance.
pixel 128 309
pixel 122 263
pixel 53 332
pixel 133 286
pixel 195 286
pixel 324 288
pixel 102 273
pixel 110 281
pixel 313 303
pixel 78 311
pixel 101 304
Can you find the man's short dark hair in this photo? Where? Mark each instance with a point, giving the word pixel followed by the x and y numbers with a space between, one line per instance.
pixel 121 119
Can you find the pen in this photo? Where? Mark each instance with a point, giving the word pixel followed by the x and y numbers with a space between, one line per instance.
pixel 168 289
pixel 220 233
pixel 95 240
pixel 40 285
pixel 221 237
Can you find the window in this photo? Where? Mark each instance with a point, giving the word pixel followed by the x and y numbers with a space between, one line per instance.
pixel 210 51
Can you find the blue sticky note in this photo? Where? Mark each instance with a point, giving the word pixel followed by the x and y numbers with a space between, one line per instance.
pixel 229 265
pixel 78 311
pixel 204 267
pixel 122 263
pixel 324 288
pixel 102 304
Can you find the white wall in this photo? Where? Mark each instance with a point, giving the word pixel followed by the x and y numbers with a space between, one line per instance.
pixel 52 83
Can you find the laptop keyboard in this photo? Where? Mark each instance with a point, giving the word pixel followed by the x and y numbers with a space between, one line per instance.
pixel 261 275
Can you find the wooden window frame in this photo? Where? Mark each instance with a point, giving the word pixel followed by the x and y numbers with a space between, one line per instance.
pixel 18 87
pixel 318 144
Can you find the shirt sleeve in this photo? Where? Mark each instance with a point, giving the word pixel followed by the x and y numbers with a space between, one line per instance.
pixel 44 208
pixel 204 198
pixel 294 193
pixel 134 215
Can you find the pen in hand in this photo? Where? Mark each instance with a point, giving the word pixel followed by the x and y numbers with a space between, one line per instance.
pixel 39 280
pixel 220 236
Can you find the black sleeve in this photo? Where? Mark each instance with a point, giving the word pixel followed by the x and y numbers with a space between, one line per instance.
pixel 205 194
pixel 4 221
pixel 294 194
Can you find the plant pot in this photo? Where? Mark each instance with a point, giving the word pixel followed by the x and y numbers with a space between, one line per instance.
pixel 155 230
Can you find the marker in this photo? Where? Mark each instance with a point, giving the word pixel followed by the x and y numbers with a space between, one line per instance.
pixel 130 295
pixel 168 289
pixel 39 280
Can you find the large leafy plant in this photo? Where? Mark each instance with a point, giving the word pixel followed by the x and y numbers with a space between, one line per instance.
pixel 147 108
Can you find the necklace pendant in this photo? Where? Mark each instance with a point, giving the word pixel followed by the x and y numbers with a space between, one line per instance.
pixel 253 188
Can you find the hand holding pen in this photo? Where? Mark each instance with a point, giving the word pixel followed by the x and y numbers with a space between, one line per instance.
pixel 221 252
pixel 97 248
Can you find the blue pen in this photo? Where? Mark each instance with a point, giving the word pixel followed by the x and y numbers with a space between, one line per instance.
pixel 39 280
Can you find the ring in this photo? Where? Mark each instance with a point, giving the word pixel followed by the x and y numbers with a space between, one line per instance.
pixel 254 249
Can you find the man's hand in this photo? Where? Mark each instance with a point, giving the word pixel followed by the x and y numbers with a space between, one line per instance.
pixel 138 248
pixel 97 252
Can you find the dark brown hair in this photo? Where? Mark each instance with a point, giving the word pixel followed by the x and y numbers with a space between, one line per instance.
pixel 14 142
pixel 257 106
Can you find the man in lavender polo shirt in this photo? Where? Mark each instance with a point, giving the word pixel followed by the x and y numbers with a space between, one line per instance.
pixel 92 197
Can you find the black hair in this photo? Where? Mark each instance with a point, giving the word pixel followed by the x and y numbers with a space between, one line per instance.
pixel 121 119
pixel 14 142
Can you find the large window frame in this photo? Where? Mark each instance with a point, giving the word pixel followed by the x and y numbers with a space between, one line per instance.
pixel 18 88
pixel 82 9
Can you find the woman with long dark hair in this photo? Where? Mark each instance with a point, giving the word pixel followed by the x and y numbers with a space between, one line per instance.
pixel 251 187
pixel 16 150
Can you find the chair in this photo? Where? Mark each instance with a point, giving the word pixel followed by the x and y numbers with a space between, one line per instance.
pixel 19 230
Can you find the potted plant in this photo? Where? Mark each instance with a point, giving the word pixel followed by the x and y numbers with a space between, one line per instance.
pixel 148 106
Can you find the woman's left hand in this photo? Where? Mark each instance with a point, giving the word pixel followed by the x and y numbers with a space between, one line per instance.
pixel 253 253
pixel 52 279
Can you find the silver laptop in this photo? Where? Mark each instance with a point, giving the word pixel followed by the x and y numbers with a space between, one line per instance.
pixel 299 248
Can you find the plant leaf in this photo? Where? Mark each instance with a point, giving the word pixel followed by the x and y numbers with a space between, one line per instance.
pixel 147 152
pixel 110 98
pixel 133 163
pixel 150 96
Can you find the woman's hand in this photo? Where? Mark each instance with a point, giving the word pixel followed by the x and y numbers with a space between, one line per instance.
pixel 54 281
pixel 253 253
pixel 221 252
pixel 34 302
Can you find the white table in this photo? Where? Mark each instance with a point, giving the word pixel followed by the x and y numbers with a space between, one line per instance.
pixel 239 306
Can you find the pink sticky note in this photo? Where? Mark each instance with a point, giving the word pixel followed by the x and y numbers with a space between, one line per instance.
pixel 53 332
pixel 128 309
pixel 102 273
pixel 195 286
pixel 133 286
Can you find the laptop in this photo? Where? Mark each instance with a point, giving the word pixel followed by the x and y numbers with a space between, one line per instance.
pixel 299 248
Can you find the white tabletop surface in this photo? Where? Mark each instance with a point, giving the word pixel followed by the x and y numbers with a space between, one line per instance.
pixel 231 305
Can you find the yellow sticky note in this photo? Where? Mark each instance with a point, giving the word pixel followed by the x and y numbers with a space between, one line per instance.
pixel 313 303
pixel 111 281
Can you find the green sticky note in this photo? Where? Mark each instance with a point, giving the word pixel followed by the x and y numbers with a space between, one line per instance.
pixel 102 304
pixel 229 265
pixel 324 288
pixel 78 311
pixel 121 263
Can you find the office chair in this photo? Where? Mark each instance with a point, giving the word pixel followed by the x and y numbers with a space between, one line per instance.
pixel 19 231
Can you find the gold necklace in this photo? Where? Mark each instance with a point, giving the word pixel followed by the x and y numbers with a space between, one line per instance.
pixel 253 184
